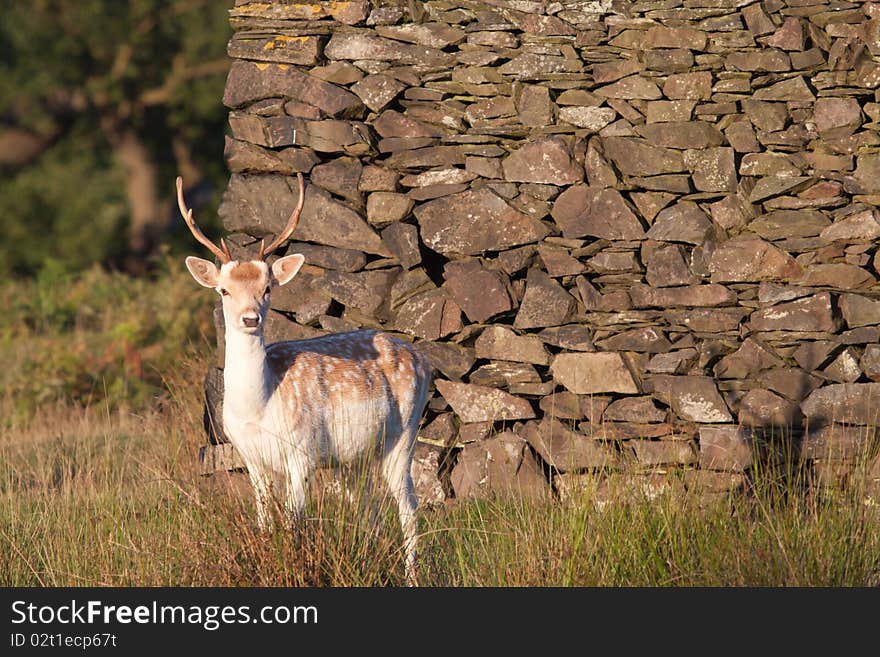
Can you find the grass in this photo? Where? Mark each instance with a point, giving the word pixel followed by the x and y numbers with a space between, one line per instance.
pixel 102 489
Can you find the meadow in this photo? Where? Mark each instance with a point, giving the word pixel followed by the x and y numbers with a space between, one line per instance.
pixel 100 426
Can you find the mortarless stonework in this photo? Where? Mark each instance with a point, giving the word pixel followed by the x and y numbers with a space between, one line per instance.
pixel 637 236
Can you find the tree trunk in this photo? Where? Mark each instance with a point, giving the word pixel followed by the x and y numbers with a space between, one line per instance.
pixel 147 220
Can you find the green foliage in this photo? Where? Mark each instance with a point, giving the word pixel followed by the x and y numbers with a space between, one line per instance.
pixel 97 336
pixel 77 73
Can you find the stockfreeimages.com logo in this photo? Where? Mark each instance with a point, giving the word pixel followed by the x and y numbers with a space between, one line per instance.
pixel 210 617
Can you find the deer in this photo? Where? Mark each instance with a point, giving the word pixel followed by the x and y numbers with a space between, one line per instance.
pixel 290 407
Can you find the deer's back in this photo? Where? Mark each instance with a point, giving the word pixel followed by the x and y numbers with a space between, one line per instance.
pixel 349 388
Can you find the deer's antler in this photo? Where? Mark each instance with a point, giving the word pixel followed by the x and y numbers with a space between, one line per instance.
pixel 265 251
pixel 222 254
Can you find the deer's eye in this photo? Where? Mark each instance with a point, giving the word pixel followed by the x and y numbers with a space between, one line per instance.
pixel 224 291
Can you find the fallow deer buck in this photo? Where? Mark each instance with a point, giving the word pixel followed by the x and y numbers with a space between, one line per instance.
pixel 290 407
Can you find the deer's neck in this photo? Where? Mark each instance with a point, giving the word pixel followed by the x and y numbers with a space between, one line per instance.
pixel 245 375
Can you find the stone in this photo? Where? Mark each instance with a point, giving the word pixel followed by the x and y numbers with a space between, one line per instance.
pixel 727 448
pixel 766 60
pixel 757 20
pixel 665 265
pixel 328 257
pixel 791 382
pixel 667 111
pixel 770 117
pixel 355 46
pixel 561 405
pixel 857 227
pixel 633 87
pixel 425 473
pixel 377 179
pixel 813 313
pixel 377 91
pixel 751 358
pixel 566 450
pixel 669 60
pixel 248 81
pixel 762 408
pixel 487 167
pixel 708 319
pixel 691 86
pixel 503 374
pixel 791 89
pixel 547 160
pixel 837 442
pixel 589 373
pixel 836 117
pixel 644 340
pixel 750 260
pixel 453 360
pixel 481 293
pixel 498 467
pixel 591 118
pixel 402 240
pixel 387 207
pixel 341 177
pixel 858 310
pixel 475 221
pixel 435 35
pixel 473 403
pixel 366 290
pixel 741 137
pixel 812 355
pixel 712 169
pixel 636 158
pixel 501 343
pixel 682 222
pixel 635 409
pixel 261 205
pixel 656 453
pixel 681 134
pixel 644 296
pixel 870 362
pixel 558 262
pixel 836 275
pixel 534 107
pixel 845 368
pixel 574 337
pixel 424 315
pixel 692 398
pixel 771 186
pixel 583 210
pixel 847 403
pixel 786 224
pixel 545 302
pixel 788 36
pixel 244 157
pixel 675 37
pixel 605 72
pixel 709 482
pixel 392 123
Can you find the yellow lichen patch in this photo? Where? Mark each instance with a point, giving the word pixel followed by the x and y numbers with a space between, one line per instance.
pixel 261 66
pixel 289 39
pixel 283 67
pixel 269 46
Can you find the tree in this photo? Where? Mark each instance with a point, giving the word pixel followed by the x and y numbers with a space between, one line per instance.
pixel 102 103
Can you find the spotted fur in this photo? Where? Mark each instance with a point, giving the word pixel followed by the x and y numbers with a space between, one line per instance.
pixel 293 406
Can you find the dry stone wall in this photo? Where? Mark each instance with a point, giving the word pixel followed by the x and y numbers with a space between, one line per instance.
pixel 633 237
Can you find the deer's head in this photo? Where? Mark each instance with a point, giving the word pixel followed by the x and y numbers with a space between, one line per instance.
pixel 244 286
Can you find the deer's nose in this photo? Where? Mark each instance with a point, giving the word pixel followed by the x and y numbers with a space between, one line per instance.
pixel 250 321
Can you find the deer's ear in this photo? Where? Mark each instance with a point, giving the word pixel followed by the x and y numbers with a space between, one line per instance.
pixel 284 269
pixel 204 271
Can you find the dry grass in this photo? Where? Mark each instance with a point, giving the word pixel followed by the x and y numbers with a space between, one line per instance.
pixel 105 492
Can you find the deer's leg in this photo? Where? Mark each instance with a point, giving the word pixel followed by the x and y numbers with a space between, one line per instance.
pixel 262 483
pixel 295 493
pixel 396 472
